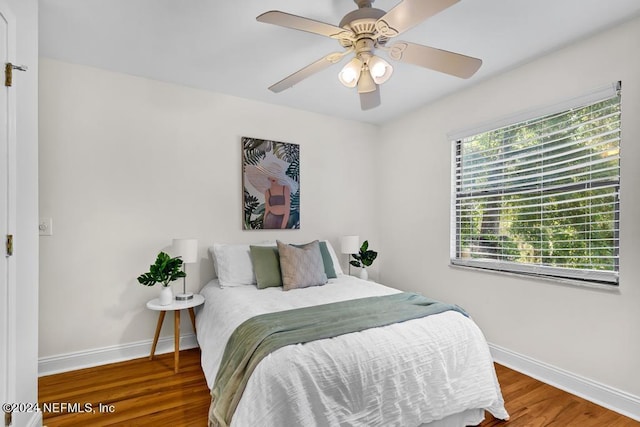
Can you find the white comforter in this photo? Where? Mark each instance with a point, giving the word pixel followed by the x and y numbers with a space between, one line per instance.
pixel 404 374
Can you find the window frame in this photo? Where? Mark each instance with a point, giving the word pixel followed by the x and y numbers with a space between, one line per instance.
pixel 587 277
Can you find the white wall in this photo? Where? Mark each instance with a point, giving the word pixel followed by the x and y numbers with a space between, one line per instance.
pixel 590 333
pixel 26 234
pixel 127 164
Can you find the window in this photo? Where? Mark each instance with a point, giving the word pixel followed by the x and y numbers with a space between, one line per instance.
pixel 541 196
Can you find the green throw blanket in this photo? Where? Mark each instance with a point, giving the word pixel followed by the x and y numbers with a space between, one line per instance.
pixel 257 337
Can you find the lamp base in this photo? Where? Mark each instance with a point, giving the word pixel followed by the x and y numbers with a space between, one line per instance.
pixel 184 297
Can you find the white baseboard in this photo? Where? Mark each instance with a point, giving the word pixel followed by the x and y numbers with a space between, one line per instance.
pixel 600 394
pixel 102 356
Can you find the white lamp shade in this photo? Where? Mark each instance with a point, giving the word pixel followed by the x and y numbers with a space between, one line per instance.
pixel 350 244
pixel 186 249
pixel 380 69
pixel 350 74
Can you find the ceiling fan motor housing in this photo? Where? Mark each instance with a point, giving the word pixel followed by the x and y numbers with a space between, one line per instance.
pixel 363 23
pixel 364 48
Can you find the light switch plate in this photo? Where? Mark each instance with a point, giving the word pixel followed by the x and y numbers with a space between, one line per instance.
pixel 46 226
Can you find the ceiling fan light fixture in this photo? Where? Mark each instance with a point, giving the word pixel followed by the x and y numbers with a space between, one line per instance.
pixel 380 69
pixel 365 31
pixel 366 83
pixel 350 74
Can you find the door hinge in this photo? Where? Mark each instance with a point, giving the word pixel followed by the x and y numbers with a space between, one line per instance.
pixel 8 419
pixel 9 244
pixel 8 72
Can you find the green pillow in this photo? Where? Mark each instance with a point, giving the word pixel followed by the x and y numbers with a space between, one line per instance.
pixel 328 262
pixel 266 265
pixel 326 259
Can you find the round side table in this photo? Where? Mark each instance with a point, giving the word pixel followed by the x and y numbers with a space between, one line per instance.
pixel 175 306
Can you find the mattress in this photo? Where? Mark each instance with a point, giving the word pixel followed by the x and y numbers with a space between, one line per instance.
pixel 405 374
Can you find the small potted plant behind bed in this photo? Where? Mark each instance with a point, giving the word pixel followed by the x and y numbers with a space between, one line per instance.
pixel 164 271
pixel 364 259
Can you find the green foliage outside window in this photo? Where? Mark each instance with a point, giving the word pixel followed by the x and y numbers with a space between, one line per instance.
pixel 543 192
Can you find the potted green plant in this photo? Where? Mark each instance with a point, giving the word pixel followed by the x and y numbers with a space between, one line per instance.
pixel 364 259
pixel 164 271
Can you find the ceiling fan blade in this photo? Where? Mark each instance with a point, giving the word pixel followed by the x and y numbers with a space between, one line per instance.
pixel 444 61
pixel 370 100
pixel 409 13
pixel 288 20
pixel 308 71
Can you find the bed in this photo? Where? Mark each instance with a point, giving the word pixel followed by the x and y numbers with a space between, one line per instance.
pixel 435 370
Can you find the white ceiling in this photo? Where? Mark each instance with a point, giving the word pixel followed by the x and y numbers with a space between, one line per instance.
pixel 218 45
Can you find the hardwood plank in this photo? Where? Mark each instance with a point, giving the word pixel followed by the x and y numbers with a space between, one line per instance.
pixel 142 392
pixel 146 392
pixel 533 403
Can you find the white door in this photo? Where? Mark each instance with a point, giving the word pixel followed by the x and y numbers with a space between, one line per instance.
pixel 7 211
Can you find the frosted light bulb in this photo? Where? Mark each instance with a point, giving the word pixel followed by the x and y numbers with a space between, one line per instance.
pixel 378 70
pixel 348 75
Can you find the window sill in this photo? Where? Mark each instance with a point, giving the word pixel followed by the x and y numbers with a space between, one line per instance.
pixel 612 289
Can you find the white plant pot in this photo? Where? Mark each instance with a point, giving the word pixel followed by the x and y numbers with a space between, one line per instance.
pixel 364 275
pixel 166 295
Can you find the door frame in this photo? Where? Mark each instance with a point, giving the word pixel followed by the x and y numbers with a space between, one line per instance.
pixel 8 361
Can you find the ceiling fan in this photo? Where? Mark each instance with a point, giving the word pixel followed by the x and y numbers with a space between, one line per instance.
pixel 367 30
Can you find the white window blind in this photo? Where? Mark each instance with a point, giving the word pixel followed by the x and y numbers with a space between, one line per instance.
pixel 541 196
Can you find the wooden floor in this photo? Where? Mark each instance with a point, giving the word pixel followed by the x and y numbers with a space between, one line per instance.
pixel 143 392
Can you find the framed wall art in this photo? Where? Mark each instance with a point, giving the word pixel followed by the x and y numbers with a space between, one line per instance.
pixel 271 184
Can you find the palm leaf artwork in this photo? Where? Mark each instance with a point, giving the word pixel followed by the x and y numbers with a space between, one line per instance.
pixel 254 150
pixel 255 153
pixel 251 204
pixel 294 169
pixel 294 216
pixel 287 152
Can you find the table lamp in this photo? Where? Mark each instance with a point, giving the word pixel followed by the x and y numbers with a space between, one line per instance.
pixel 350 245
pixel 187 250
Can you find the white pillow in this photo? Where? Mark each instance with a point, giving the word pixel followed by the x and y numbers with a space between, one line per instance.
pixel 334 258
pixel 233 265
